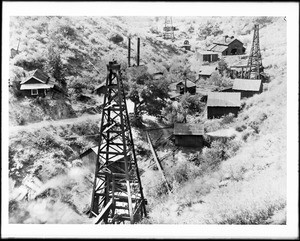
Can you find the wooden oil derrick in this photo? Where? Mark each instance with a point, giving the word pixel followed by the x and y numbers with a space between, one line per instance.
pixel 168 29
pixel 117 191
pixel 255 61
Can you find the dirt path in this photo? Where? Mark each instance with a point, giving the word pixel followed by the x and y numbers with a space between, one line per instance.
pixel 34 126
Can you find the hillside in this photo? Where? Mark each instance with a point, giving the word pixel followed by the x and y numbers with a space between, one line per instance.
pixel 237 181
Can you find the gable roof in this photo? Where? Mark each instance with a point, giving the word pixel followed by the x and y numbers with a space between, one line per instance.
pixel 38 75
pixel 247 84
pixel 224 99
pixel 228 41
pixel 207 70
pixel 188 129
pixel 188 83
pixel 218 48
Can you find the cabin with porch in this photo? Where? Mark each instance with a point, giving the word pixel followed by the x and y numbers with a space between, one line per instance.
pixel 38 84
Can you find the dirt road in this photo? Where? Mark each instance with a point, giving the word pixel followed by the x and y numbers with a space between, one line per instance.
pixel 34 126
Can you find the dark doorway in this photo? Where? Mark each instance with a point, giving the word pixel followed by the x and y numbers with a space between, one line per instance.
pixel 234 51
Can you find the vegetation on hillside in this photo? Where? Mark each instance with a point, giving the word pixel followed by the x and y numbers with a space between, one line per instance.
pixel 236 181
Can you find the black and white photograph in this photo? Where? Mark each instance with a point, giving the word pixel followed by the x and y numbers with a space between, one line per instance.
pixel 150 119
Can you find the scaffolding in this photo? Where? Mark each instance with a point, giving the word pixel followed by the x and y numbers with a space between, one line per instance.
pixel 255 60
pixel 117 191
pixel 168 29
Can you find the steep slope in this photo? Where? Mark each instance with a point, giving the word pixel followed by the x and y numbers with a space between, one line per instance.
pixel 242 181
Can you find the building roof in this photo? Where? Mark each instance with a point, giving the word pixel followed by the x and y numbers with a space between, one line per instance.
pixel 224 99
pixel 247 84
pixel 101 85
pixel 173 94
pixel 36 86
pixel 188 129
pixel 189 83
pixel 206 52
pixel 207 70
pixel 95 150
pixel 38 75
pixel 218 48
pixel 227 42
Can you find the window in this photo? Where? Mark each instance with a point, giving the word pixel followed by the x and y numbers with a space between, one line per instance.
pixel 34 92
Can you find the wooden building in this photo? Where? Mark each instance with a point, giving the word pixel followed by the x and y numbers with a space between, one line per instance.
pixel 222 103
pixel 208 56
pixel 100 89
pixel 228 46
pixel 38 84
pixel 247 87
pixel 189 135
pixel 206 71
pixel 190 87
pixel 89 158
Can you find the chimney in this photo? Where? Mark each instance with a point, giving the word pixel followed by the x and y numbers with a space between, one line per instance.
pixel 129 49
pixel 138 52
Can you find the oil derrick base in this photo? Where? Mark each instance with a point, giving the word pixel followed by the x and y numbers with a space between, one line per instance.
pixel 255 61
pixel 117 192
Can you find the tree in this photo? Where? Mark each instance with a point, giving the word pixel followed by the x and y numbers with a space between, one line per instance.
pixel 148 95
pixel 55 66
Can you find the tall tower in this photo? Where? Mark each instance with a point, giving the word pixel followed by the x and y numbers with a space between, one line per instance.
pixel 168 29
pixel 255 61
pixel 117 191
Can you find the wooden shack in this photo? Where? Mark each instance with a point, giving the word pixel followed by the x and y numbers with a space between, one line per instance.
pixel 247 87
pixel 228 46
pixel 188 135
pixel 223 103
pixel 208 56
pixel 100 89
pixel 89 158
pixel 206 71
pixel 38 84
pixel 190 87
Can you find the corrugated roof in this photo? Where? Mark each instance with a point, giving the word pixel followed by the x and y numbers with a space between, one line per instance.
pixel 218 48
pixel 188 83
pixel 36 86
pixel 247 84
pixel 39 75
pixel 207 70
pixel 188 129
pixel 224 99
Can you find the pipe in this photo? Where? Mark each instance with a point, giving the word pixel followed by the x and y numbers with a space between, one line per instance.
pixel 138 52
pixel 129 49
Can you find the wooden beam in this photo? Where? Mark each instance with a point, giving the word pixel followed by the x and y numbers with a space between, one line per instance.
pixel 103 212
pixel 157 162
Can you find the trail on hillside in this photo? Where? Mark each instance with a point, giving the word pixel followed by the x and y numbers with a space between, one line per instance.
pixel 34 126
